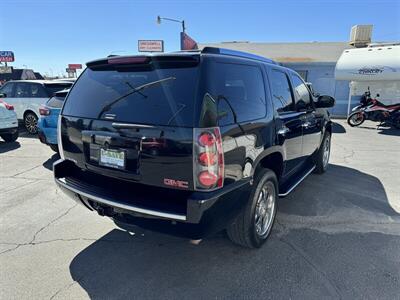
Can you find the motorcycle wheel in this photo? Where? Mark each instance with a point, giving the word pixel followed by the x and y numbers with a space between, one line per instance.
pixel 356 119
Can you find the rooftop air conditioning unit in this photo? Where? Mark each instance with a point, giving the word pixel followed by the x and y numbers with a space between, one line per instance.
pixel 360 35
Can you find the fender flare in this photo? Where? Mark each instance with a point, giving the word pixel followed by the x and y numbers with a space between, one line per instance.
pixel 269 151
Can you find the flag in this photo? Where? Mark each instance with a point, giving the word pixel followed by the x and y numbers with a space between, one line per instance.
pixel 187 43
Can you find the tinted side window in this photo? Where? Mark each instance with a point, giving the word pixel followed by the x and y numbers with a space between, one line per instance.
pixel 243 87
pixel 37 91
pixel 300 90
pixel 22 90
pixel 281 94
pixel 55 102
pixel 7 89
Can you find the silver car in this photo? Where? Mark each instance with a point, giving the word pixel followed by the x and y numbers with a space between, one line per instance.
pixel 8 122
pixel 28 95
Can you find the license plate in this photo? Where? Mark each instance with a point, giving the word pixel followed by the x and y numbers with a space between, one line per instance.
pixel 112 158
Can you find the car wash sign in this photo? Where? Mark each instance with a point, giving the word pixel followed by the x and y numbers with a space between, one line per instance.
pixel 6 56
pixel 151 46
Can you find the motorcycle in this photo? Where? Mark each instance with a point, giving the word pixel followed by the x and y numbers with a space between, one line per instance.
pixel 372 109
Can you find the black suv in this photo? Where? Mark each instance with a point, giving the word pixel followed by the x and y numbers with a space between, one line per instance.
pixel 190 143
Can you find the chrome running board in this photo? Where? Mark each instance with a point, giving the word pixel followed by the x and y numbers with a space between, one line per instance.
pixel 297 183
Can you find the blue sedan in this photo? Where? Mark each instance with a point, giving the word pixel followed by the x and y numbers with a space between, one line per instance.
pixel 47 125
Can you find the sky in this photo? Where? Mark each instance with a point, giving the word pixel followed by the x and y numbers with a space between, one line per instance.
pixel 46 35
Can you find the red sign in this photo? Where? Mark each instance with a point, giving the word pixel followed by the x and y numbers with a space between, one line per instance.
pixel 6 56
pixel 74 66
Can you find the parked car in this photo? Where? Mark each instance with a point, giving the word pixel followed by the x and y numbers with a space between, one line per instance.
pixel 8 122
pixel 233 132
pixel 28 95
pixel 47 125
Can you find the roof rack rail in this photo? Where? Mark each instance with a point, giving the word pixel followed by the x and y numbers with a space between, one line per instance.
pixel 224 51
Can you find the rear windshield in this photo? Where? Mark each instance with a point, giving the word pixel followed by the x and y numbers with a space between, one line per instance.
pixel 170 102
pixel 51 88
pixel 55 102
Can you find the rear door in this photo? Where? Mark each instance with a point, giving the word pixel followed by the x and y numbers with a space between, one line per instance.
pixel 289 128
pixel 240 87
pixel 144 136
pixel 312 125
pixel 37 96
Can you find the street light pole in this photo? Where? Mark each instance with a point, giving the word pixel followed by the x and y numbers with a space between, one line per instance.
pixel 172 20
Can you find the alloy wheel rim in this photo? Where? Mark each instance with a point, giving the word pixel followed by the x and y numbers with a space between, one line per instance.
pixel 327 150
pixel 265 207
pixel 31 123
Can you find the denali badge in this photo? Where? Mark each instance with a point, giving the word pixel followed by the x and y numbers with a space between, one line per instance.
pixel 176 183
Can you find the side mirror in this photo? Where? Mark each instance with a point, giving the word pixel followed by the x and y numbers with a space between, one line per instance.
pixel 325 101
pixel 3 95
pixel 310 87
pixel 301 105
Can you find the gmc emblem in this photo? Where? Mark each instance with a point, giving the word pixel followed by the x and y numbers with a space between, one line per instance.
pixel 176 183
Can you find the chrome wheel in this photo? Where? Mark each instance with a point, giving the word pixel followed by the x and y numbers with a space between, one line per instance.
pixel 31 123
pixel 265 207
pixel 327 151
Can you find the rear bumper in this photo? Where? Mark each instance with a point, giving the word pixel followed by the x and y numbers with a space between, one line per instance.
pixel 182 213
pixel 47 135
pixel 10 130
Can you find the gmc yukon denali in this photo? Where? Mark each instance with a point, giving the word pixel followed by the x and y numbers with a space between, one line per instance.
pixel 190 143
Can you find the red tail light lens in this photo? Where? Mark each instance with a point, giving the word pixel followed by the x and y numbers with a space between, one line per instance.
pixel 208 159
pixel 8 106
pixel 207 179
pixel 206 139
pixel 44 111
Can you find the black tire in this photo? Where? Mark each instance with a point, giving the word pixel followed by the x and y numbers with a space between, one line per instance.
pixel 321 163
pixel 30 122
pixel 351 119
pixel 10 137
pixel 243 230
pixel 54 147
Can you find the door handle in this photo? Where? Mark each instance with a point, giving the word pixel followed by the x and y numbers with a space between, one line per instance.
pixel 283 130
pixel 306 124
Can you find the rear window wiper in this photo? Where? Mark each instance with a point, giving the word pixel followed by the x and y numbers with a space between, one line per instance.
pixel 134 90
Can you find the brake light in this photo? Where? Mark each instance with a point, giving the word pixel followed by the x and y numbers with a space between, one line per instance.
pixel 208 159
pixel 7 106
pixel 129 60
pixel 44 111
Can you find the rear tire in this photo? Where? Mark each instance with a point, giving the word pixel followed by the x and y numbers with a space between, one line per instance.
pixel 254 223
pixel 323 154
pixel 54 147
pixel 356 119
pixel 30 122
pixel 10 137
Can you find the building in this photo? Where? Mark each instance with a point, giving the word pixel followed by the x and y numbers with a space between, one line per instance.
pixel 314 61
pixel 19 74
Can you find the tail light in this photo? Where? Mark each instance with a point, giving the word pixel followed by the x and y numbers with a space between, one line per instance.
pixel 59 139
pixel 208 159
pixel 8 106
pixel 44 111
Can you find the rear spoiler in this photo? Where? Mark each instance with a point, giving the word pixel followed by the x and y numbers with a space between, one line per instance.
pixel 62 93
pixel 143 60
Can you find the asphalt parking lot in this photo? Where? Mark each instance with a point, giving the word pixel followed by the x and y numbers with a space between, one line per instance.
pixel 337 236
